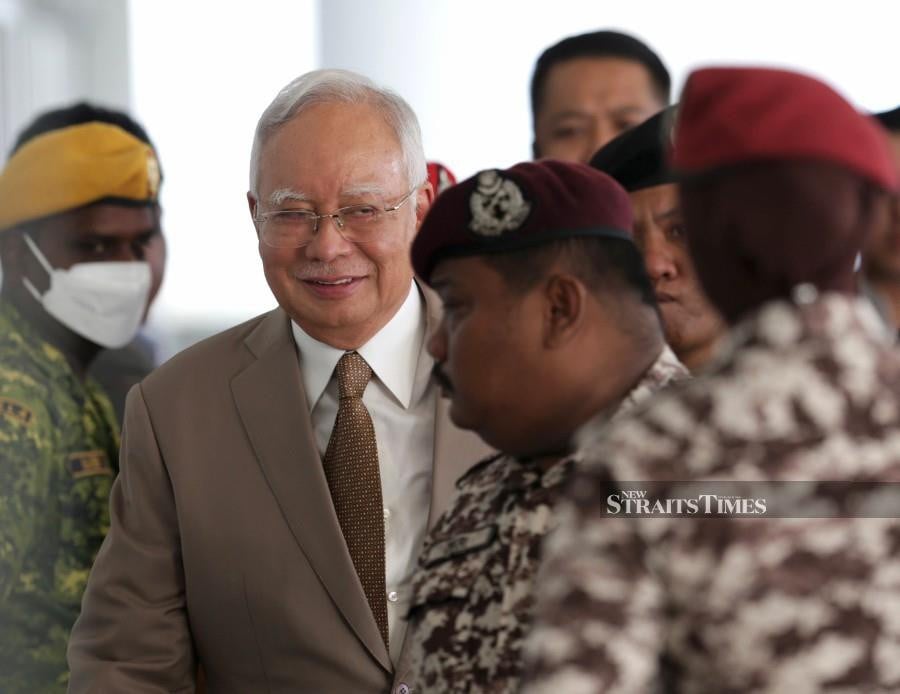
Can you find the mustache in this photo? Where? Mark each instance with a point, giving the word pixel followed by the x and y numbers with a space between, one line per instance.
pixel 440 378
pixel 314 270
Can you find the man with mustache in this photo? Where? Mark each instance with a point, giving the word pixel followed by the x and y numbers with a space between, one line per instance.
pixel 277 479
pixel 781 182
pixel 549 324
pixel 637 160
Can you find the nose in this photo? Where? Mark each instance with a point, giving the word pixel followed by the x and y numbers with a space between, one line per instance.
pixel 659 260
pixel 437 343
pixel 328 243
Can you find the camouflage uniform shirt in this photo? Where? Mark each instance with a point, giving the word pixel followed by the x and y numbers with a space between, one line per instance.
pixel 472 594
pixel 58 448
pixel 808 391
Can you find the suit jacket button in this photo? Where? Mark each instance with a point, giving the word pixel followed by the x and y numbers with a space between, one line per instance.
pixel 402 688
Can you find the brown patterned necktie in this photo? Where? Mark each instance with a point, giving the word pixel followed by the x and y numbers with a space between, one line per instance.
pixel 351 468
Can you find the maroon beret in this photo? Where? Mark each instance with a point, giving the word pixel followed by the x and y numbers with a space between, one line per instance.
pixel 735 115
pixel 532 203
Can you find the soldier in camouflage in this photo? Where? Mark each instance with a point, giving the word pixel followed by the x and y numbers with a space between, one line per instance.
pixel 77 207
pixel 808 388
pixel 544 293
pixel 58 451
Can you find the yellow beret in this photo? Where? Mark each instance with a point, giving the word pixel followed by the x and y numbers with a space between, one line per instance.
pixel 67 168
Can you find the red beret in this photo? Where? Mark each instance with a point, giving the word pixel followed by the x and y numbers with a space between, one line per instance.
pixel 532 203
pixel 734 115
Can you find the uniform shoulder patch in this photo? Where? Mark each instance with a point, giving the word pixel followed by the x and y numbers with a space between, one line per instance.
pixel 16 411
pixel 88 464
pixel 461 543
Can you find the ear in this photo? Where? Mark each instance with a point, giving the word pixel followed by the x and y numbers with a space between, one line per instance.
pixel 251 204
pixel 424 198
pixel 565 300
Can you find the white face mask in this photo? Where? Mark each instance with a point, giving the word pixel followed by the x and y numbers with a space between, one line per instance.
pixel 103 302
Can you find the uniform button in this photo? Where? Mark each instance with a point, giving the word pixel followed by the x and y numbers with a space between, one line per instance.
pixel 402 688
pixel 393 596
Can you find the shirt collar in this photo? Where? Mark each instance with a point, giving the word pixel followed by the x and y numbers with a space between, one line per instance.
pixel 392 353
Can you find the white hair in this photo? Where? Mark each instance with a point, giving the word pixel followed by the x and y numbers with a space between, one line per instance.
pixel 341 86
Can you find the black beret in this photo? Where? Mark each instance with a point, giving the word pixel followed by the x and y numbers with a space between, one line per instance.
pixel 638 158
pixel 890 119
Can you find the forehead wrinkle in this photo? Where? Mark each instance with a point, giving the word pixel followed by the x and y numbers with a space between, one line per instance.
pixel 360 189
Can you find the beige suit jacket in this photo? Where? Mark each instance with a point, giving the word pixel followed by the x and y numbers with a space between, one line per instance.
pixel 225 547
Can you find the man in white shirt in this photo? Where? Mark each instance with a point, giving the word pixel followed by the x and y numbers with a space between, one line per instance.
pixel 269 509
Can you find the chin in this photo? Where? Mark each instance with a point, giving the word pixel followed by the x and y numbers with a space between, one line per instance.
pixel 458 414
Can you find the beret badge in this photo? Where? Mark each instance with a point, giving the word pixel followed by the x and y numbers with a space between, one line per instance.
pixel 497 205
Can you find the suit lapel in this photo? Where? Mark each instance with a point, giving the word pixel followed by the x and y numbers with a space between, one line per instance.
pixel 455 450
pixel 272 405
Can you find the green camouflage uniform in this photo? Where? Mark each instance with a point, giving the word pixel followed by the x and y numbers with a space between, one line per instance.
pixel 58 456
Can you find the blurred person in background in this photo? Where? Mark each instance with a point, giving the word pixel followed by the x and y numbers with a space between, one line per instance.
pixel 277 479
pixel 78 213
pixel 881 259
pixel 116 370
pixel 440 177
pixel 637 159
pixel 549 322
pixel 781 183
pixel 588 89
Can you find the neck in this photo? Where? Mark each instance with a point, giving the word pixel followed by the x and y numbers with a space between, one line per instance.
pixel 888 289
pixel 352 337
pixel 78 351
pixel 633 359
pixel 696 356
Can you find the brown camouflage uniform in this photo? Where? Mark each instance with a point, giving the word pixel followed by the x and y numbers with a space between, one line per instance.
pixel 472 595
pixel 807 391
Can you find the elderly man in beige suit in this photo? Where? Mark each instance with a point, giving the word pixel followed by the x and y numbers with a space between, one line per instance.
pixel 277 479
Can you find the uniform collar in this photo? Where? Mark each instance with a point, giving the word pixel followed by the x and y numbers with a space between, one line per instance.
pixel 667 369
pixel 392 353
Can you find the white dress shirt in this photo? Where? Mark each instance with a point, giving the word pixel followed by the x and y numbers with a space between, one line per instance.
pixel 401 401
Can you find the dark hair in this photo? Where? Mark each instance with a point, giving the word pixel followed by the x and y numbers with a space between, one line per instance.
pixel 599 44
pixel 77 114
pixel 890 119
pixel 605 265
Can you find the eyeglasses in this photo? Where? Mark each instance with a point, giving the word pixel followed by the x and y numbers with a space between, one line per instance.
pixel 355 223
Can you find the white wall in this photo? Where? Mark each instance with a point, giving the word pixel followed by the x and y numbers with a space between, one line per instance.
pixel 203 71
pixel 54 52
pixel 465 65
pixel 199 73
